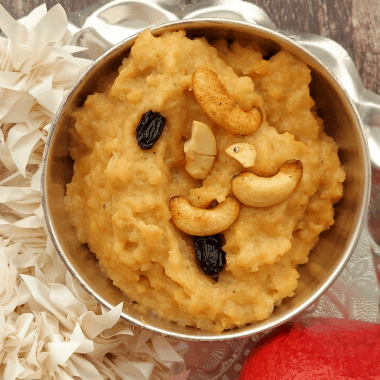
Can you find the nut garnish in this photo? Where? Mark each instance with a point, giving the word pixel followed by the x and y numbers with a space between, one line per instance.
pixel 203 222
pixel 217 103
pixel 255 191
pixel 200 150
pixel 243 152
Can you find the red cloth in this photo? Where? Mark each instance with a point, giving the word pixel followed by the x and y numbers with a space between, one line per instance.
pixel 323 349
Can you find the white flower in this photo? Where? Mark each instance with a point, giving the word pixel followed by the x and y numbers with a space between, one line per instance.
pixel 49 326
pixel 35 73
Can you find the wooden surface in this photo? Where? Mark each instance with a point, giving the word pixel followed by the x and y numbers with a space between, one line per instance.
pixel 355 24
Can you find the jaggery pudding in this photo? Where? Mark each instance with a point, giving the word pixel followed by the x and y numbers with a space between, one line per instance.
pixel 264 194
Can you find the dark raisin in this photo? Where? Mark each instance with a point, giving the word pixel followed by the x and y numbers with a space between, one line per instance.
pixel 149 129
pixel 210 255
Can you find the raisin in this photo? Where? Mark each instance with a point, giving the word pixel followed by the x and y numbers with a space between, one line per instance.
pixel 149 129
pixel 210 255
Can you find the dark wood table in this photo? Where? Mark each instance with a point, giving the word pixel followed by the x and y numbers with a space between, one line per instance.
pixel 352 23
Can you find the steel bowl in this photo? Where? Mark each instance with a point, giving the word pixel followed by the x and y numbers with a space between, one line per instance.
pixel 326 260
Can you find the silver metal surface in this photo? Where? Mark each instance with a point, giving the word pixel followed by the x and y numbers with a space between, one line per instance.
pixel 331 253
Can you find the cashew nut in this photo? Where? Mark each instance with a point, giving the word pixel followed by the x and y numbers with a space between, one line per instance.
pixel 200 150
pixel 256 191
pixel 198 165
pixel 203 222
pixel 202 140
pixel 243 152
pixel 217 103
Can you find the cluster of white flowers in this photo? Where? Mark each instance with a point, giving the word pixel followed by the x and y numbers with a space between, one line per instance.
pixel 49 326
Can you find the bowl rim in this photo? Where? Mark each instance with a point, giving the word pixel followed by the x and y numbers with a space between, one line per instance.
pixel 352 241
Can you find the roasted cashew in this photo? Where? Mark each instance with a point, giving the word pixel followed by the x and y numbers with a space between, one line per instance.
pixel 217 103
pixel 256 191
pixel 203 222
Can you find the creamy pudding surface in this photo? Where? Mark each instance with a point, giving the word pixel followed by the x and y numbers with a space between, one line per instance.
pixel 119 196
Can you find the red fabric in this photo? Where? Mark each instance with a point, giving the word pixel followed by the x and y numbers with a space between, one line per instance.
pixel 323 349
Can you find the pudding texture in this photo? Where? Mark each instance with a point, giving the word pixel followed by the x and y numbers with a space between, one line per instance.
pixel 118 199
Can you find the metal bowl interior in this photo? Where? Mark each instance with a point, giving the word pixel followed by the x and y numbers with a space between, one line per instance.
pixel 326 260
